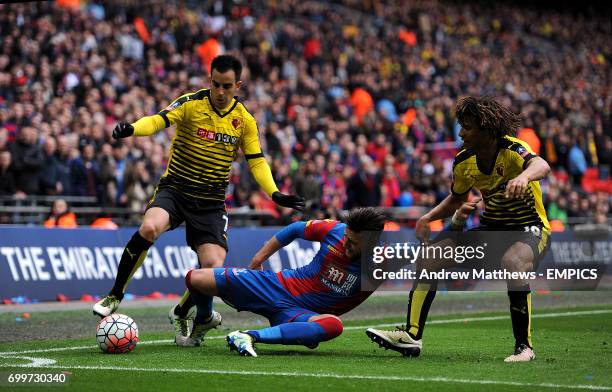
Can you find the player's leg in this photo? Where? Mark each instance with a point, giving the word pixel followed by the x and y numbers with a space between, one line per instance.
pixel 520 257
pixel 209 256
pixel 156 221
pixel 305 329
pixel 206 234
pixel 201 285
pixel 408 340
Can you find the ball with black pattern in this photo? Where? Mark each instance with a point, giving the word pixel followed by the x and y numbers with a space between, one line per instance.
pixel 117 334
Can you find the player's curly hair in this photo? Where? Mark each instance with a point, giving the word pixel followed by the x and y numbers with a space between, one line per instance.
pixel 365 219
pixel 489 115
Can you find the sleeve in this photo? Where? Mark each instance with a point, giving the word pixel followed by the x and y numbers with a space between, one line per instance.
pixel 291 232
pixel 257 162
pixel 173 114
pixel 461 182
pixel 522 153
pixel 313 230
pixel 316 230
pixel 149 125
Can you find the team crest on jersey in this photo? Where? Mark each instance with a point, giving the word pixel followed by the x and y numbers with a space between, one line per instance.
pixel 236 123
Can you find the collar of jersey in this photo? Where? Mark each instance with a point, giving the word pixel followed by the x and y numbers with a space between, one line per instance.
pixel 215 109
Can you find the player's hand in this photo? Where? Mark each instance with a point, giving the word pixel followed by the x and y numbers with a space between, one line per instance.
pixel 516 187
pixel 255 265
pixel 123 130
pixel 422 230
pixel 291 201
pixel 468 207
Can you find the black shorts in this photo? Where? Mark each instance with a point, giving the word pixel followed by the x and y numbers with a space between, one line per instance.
pixel 499 239
pixel 205 220
pixel 535 236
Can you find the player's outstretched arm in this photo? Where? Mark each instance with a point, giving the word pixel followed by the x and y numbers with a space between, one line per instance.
pixel 146 126
pixel 281 239
pixel 264 253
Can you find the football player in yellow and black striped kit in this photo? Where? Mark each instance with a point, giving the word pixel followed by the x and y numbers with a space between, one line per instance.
pixel 506 172
pixel 211 125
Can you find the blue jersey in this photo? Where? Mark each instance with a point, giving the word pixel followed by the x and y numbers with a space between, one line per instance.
pixel 331 282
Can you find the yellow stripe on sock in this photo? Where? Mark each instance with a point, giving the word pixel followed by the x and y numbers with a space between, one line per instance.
pixel 416 306
pixel 529 322
pixel 184 298
pixel 141 259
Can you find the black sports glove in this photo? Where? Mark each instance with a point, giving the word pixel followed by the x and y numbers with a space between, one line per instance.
pixel 123 130
pixel 292 201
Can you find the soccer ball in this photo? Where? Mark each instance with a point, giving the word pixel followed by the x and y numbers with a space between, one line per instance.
pixel 117 333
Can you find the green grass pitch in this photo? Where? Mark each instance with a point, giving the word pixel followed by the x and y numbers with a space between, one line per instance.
pixel 461 352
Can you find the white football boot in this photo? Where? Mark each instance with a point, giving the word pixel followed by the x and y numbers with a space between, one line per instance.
pixel 195 338
pixel 106 306
pixel 398 340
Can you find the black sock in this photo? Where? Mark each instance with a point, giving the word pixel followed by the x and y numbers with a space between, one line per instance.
pixel 520 313
pixel 136 248
pixel 182 309
pixel 420 300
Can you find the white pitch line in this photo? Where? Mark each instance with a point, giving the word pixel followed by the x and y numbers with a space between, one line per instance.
pixel 336 376
pixel 36 362
pixel 446 321
pixel 495 318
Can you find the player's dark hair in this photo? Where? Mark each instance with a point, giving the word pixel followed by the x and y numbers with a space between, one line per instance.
pixel 365 219
pixel 489 115
pixel 227 62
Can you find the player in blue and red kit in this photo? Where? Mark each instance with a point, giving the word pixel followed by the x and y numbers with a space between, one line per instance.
pixel 301 304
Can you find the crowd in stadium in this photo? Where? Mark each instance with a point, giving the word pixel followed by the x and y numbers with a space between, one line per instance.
pixel 354 104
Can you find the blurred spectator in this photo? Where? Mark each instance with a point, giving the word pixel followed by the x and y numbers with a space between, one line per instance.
pixel 27 161
pixel 104 222
pixel 363 189
pixel 308 183
pixel 7 176
pixel 61 216
pixel 49 177
pixel 85 173
pixel 139 186
pixel 577 162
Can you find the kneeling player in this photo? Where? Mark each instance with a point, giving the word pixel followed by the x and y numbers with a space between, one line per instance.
pixel 301 304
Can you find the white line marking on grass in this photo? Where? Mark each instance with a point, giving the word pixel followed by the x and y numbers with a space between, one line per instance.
pixel 35 362
pixel 446 321
pixel 338 376
pixel 494 318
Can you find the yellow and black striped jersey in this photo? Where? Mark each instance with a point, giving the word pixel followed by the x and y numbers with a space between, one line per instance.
pixel 511 159
pixel 205 144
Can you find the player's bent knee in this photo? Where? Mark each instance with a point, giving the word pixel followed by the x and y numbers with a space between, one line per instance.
pixel 212 264
pixel 332 325
pixel 201 280
pixel 149 231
